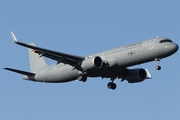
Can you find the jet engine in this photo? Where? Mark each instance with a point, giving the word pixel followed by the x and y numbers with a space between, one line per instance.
pixel 136 75
pixel 92 63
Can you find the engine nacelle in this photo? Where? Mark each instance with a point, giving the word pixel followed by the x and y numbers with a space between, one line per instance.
pixel 92 63
pixel 136 75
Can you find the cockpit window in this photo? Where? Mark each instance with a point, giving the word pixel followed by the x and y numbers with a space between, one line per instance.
pixel 166 40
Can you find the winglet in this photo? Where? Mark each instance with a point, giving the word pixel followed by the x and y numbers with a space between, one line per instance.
pixel 13 37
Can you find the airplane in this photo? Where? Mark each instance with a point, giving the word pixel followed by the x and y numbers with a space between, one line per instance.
pixel 111 64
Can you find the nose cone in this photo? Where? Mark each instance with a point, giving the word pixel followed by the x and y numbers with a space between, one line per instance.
pixel 174 47
pixel 167 48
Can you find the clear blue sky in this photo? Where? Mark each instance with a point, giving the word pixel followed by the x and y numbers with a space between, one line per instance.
pixel 83 27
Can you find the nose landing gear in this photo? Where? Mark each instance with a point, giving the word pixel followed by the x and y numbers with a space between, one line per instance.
pixel 157 60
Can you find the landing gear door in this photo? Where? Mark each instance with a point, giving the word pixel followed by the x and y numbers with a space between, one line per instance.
pixel 151 44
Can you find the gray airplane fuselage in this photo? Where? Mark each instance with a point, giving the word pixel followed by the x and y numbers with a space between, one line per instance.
pixel 118 59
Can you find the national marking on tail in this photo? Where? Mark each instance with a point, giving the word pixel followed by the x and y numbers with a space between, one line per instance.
pixel 36 62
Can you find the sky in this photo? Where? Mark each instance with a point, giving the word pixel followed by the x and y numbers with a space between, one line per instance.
pixel 82 27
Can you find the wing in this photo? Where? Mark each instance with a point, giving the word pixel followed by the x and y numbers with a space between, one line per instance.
pixel 73 60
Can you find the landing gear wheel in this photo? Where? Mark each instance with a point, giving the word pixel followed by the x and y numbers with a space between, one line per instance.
pixel 158 67
pixel 111 85
pixel 82 78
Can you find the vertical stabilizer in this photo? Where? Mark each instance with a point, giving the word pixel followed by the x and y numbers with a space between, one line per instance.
pixel 36 62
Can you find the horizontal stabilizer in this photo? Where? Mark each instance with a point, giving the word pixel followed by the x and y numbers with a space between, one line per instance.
pixel 20 71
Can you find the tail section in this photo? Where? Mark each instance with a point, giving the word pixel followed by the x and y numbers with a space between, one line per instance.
pixel 36 61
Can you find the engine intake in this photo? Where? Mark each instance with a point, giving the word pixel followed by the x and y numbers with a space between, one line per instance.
pixel 92 63
pixel 136 75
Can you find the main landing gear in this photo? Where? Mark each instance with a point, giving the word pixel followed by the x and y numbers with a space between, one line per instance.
pixel 82 78
pixel 111 85
pixel 157 60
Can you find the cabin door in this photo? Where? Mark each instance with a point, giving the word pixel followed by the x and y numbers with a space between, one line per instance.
pixel 151 44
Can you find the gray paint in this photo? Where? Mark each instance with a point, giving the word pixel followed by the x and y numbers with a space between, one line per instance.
pixel 118 59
